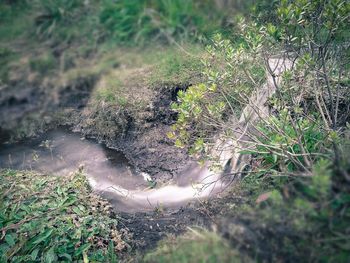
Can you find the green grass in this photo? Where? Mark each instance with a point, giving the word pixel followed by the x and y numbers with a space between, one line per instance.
pixel 129 88
pixel 49 219
pixel 111 92
pixel 146 68
pixel 195 246
pixel 7 56
pixel 125 22
pixel 140 21
pixel 177 65
pixel 15 24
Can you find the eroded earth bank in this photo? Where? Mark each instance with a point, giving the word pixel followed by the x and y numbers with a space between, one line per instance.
pixel 123 150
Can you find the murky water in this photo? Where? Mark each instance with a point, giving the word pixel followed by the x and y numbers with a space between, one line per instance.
pixel 61 152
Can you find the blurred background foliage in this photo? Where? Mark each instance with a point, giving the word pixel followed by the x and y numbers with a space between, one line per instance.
pixel 129 22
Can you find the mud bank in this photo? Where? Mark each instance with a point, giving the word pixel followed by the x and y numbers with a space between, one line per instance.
pixel 30 107
pixel 141 135
pixel 142 143
pixel 60 152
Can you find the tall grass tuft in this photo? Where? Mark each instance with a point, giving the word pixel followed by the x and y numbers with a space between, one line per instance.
pixel 140 20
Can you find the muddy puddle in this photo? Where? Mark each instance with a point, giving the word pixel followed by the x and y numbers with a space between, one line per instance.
pixel 61 152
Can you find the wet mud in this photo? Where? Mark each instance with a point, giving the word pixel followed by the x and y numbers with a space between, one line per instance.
pixel 60 152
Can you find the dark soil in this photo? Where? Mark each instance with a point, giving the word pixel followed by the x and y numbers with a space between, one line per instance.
pixel 147 145
pixel 149 228
pixel 143 138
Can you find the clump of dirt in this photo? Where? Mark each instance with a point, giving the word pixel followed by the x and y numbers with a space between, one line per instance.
pixel 139 130
pixel 149 228
pixel 147 144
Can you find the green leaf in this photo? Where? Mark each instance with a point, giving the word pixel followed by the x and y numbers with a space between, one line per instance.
pixel 34 254
pixel 59 190
pixel 85 257
pixel 67 256
pixel 10 240
pixel 76 210
pixel 82 249
pixel 68 201
pixel 43 236
pixel 50 255
pixel 25 208
pixel 274 156
pixel 111 252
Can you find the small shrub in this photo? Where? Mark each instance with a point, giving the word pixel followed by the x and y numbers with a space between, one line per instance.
pixel 176 67
pixel 290 145
pixel 231 73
